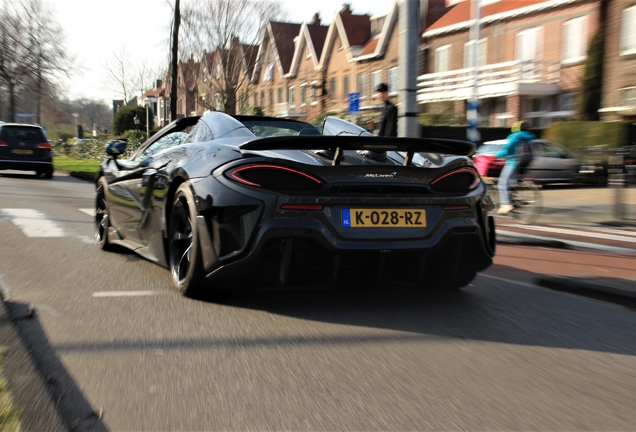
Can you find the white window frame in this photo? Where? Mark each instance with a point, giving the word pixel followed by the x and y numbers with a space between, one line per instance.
pixel 442 58
pixel 376 79
pixel 521 51
pixel 393 81
pixel 482 53
pixel 626 101
pixel 574 40
pixel 363 83
pixel 303 94
pixel 628 31
pixel 290 94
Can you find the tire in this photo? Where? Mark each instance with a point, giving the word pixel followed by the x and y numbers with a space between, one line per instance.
pixel 184 257
pixel 527 203
pixel 102 220
pixel 48 173
pixel 493 192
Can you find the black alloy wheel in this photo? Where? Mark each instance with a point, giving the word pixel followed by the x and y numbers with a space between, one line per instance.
pixel 183 247
pixel 101 215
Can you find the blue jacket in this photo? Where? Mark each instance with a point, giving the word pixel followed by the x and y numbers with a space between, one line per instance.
pixel 510 150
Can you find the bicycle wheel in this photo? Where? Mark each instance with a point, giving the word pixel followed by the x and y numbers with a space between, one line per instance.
pixel 526 199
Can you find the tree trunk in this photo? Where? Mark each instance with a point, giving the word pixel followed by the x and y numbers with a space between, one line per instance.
pixel 11 112
pixel 38 95
pixel 175 61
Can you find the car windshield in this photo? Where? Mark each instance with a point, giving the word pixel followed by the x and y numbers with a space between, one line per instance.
pixel 268 128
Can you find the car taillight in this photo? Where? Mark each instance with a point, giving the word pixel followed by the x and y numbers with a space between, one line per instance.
pixel 275 177
pixel 3 144
pixel 459 180
pixel 44 145
pixel 307 207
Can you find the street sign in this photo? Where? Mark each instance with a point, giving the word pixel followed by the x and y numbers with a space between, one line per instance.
pixel 354 103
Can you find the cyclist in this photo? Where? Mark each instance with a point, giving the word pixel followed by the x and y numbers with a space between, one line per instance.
pixel 509 152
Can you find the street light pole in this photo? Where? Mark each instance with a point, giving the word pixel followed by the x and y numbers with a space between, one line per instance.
pixel 76 115
pixel 472 114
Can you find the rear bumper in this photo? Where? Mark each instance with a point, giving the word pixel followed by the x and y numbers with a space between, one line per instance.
pixel 24 165
pixel 301 251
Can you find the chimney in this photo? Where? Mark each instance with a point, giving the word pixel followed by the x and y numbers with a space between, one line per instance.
pixel 315 20
pixel 158 84
pixel 346 9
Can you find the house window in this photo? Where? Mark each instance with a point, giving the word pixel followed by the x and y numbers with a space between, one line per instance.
pixel 271 98
pixel 629 97
pixel 442 58
pixel 291 94
pixel 574 39
pixel 628 31
pixel 303 94
pixel 246 99
pixel 469 48
pixel 376 25
pixel 280 95
pixel 528 45
pixel 566 102
pixel 393 81
pixel 362 84
pixel 376 79
pixel 345 87
pixel 312 94
pixel 262 98
pixel 255 99
pixel 180 106
pixel 332 88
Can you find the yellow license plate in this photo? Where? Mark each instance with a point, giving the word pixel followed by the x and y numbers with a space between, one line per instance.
pixel 21 151
pixel 383 218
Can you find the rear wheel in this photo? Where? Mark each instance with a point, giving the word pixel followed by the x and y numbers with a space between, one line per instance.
pixel 48 173
pixel 526 199
pixel 102 221
pixel 183 243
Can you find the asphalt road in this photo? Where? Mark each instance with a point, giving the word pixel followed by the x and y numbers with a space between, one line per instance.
pixel 502 354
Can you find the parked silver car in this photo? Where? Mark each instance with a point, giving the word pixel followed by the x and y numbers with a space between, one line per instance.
pixel 552 163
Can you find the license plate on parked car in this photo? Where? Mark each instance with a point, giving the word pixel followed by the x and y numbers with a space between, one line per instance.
pixel 22 151
pixel 383 218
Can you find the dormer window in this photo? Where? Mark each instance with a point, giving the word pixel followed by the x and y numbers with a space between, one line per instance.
pixel 377 23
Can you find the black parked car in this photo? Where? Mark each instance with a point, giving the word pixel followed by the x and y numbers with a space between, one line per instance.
pixel 26 148
pixel 224 200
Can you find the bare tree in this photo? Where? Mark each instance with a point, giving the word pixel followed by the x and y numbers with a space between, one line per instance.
pixel 127 77
pixel 14 70
pixel 230 31
pixel 48 58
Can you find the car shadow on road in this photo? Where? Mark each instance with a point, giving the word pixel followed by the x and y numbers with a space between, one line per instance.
pixel 72 405
pixel 490 309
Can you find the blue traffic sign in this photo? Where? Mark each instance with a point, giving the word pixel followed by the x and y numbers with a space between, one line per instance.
pixel 354 103
pixel 25 115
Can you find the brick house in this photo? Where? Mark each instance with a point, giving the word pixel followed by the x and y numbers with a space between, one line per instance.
pixel 619 82
pixel 305 81
pixel 152 98
pixel 530 59
pixel 273 63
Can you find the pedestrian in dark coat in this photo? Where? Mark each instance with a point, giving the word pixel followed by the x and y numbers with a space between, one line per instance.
pixel 389 114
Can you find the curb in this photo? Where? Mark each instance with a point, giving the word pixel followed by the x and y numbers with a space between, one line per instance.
pixel 528 241
pixel 25 382
pixel 590 289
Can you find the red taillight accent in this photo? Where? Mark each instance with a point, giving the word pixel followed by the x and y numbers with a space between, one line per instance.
pixel 44 145
pixel 311 207
pixel 458 171
pixel 235 173
pixel 3 144
pixel 455 207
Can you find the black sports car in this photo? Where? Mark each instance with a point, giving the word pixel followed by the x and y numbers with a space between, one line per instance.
pixel 224 199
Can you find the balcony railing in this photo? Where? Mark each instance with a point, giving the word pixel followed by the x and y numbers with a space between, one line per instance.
pixel 501 79
pixel 288 110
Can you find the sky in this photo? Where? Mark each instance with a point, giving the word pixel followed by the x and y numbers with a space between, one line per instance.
pixel 95 29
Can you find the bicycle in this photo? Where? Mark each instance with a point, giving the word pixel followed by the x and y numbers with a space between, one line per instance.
pixel 525 197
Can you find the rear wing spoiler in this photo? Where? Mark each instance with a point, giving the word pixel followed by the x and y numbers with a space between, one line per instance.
pixel 338 144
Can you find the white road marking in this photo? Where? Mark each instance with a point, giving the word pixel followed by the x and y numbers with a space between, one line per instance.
pixel 124 293
pixel 620 238
pixel 33 223
pixel 88 211
pixel 600 229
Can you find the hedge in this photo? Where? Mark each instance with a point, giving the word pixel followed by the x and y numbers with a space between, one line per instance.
pixel 459 132
pixel 579 135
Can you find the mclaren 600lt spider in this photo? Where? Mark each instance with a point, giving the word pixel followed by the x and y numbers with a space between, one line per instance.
pixel 227 201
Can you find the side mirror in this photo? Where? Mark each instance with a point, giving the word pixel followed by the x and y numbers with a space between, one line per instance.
pixel 115 148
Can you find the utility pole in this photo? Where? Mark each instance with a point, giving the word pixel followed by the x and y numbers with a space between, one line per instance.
pixel 174 60
pixel 409 40
pixel 472 114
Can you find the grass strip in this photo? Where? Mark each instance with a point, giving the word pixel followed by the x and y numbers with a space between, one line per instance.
pixel 87 167
pixel 9 415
